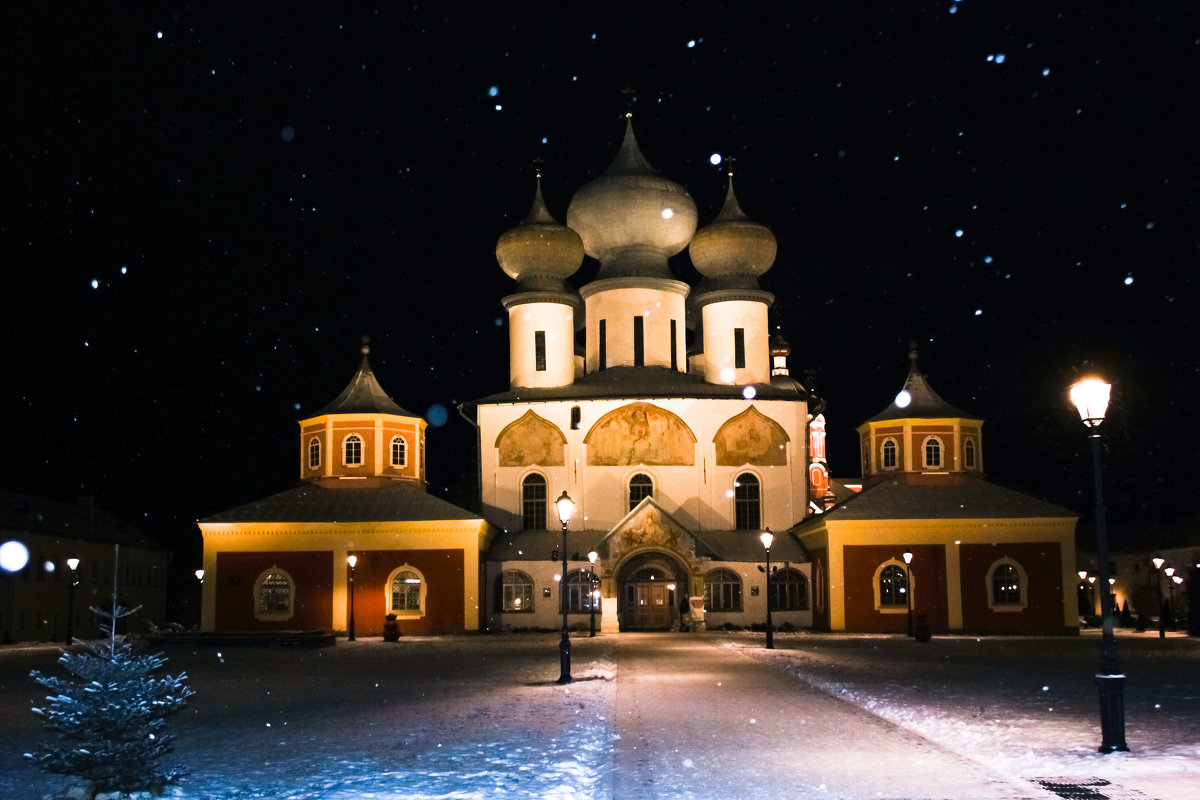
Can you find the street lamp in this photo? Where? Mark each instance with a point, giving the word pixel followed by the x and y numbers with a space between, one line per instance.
pixel 767 539
pixel 1158 561
pixel 566 507
pixel 1090 398
pixel 200 575
pixel 593 592
pixel 351 560
pixel 908 557
pixel 1170 573
pixel 72 564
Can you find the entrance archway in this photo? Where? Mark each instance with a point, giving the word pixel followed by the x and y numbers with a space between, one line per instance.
pixel 650 588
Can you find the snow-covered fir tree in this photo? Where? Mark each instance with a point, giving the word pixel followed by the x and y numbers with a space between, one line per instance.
pixel 110 714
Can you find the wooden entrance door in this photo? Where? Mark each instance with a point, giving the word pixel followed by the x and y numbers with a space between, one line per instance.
pixel 648 606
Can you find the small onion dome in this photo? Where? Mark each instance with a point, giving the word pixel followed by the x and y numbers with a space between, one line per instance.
pixel 732 245
pixel 632 219
pixel 540 247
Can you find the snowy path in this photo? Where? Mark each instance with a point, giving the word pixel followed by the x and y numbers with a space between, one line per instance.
pixel 702 721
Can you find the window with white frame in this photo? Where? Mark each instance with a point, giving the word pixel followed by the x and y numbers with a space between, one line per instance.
pixel 722 591
pixel 274 595
pixel 1007 586
pixel 933 453
pixel 892 587
pixel 787 590
pixel 969 454
pixel 580 592
pixel 399 450
pixel 406 592
pixel 533 502
pixel 352 450
pixel 314 453
pixel 889 454
pixel 747 512
pixel 641 486
pixel 514 592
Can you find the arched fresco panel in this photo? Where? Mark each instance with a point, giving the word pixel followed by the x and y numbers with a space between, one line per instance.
pixel 640 433
pixel 751 438
pixel 531 440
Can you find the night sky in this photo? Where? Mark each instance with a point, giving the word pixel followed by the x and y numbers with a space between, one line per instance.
pixel 206 205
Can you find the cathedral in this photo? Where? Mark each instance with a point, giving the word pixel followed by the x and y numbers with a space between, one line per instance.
pixel 652 440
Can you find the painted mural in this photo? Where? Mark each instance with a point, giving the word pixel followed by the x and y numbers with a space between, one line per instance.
pixel 640 433
pixel 751 438
pixel 530 440
pixel 652 528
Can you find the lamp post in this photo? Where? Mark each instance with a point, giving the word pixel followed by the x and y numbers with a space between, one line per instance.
pixel 566 507
pixel 768 539
pixel 351 561
pixel 1090 397
pixel 908 557
pixel 1171 576
pixel 1084 597
pixel 592 592
pixel 1158 561
pixel 73 565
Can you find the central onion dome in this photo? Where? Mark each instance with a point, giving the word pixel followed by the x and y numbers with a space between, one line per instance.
pixel 631 219
pixel 732 246
pixel 540 252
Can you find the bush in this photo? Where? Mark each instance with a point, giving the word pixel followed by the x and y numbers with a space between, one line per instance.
pixel 110 717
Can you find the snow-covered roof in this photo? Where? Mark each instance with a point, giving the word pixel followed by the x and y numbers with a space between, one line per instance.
pixel 377 500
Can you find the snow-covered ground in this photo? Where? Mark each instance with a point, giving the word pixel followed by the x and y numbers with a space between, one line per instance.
pixel 481 716
pixel 1025 706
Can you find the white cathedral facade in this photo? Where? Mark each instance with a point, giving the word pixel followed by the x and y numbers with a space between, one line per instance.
pixel 677 456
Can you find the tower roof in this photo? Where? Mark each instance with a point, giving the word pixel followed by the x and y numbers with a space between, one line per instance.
pixel 631 219
pixel 540 251
pixel 733 246
pixel 918 400
pixel 364 395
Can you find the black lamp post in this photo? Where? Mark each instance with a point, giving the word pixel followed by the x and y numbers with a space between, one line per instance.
pixel 351 561
pixel 908 557
pixel 73 565
pixel 1158 561
pixel 1090 397
pixel 592 592
pixel 1174 579
pixel 768 539
pixel 566 506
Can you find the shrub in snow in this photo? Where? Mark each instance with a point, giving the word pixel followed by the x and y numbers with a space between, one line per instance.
pixel 110 716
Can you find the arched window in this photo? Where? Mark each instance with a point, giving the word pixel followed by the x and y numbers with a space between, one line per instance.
pixel 640 487
pixel 581 592
pixel 933 453
pixel 533 502
pixel 274 595
pixel 352 451
pixel 514 592
pixel 1006 586
pixel 893 587
pixel 399 452
pixel 969 454
pixel 722 591
pixel 788 591
pixel 746 503
pixel 314 453
pixel 889 454
pixel 406 592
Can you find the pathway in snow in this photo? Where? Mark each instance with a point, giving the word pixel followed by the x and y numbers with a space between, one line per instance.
pixel 702 721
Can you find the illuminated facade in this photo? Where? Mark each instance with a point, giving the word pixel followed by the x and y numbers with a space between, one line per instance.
pixel 663 409
pixel 981 558
pixel 280 563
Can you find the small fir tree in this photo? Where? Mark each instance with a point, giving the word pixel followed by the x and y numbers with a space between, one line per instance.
pixel 111 713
